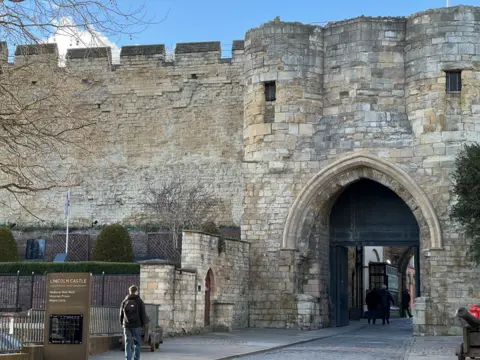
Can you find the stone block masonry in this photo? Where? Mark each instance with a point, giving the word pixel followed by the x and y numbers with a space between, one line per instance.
pixel 277 132
pixel 181 291
pixel 184 117
pixel 370 93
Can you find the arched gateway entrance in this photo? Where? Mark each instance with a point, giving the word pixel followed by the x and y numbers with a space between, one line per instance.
pixel 366 213
pixel 358 201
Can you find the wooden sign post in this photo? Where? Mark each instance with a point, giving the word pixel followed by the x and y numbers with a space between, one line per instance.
pixel 67 316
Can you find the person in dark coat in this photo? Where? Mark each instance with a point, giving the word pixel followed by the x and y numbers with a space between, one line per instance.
pixel 385 300
pixel 406 303
pixel 132 317
pixel 372 301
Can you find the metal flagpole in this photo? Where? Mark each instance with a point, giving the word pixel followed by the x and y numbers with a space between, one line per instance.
pixel 67 214
pixel 448 3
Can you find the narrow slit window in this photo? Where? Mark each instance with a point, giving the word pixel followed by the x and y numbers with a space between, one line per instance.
pixel 454 81
pixel 270 91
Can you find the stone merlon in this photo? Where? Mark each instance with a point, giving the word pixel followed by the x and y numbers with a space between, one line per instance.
pixel 91 53
pixel 143 50
pixel 238 45
pixel 193 47
pixel 36 49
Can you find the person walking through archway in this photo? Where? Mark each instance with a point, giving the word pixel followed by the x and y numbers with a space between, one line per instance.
pixel 372 301
pixel 385 300
pixel 406 303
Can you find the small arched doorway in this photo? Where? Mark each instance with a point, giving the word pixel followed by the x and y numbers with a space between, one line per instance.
pixel 208 296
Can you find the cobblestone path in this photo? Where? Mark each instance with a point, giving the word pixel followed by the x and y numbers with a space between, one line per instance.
pixel 375 342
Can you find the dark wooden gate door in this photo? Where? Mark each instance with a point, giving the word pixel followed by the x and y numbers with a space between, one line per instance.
pixel 339 285
pixel 208 290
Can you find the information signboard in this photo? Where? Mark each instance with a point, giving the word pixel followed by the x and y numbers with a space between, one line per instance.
pixel 67 315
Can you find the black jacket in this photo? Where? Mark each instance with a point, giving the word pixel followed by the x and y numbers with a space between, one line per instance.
pixel 405 298
pixel 385 298
pixel 142 317
pixel 372 299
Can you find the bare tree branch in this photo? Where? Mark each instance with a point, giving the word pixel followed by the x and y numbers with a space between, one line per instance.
pixel 32 21
pixel 179 204
pixel 47 113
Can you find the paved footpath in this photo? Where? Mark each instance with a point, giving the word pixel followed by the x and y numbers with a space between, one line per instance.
pixel 374 342
pixel 434 348
pixel 230 345
pixel 357 341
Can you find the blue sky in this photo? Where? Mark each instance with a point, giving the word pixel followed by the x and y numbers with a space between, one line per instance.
pixel 223 20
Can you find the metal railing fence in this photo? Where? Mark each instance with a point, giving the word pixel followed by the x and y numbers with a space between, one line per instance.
pixel 23 292
pixel 18 329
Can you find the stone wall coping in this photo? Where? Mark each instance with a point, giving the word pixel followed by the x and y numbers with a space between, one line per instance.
pixel 157 262
pixel 372 19
pixel 364 18
pixel 215 235
pixel 444 10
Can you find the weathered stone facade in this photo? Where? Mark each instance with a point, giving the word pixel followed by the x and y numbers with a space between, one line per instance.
pixel 364 98
pixel 361 98
pixel 181 291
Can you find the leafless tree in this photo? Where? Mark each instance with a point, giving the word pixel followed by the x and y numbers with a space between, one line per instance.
pixel 178 204
pixel 47 116
pixel 33 21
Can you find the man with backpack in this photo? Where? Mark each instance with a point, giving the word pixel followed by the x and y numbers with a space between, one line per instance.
pixel 132 318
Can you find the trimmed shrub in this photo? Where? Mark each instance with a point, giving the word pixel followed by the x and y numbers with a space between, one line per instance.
pixel 8 246
pixel 113 244
pixel 26 268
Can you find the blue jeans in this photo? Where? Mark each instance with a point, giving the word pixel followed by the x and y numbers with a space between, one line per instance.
pixel 133 339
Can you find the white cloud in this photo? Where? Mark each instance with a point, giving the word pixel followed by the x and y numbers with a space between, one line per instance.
pixel 71 37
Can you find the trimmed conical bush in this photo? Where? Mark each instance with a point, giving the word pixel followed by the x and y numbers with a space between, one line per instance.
pixel 8 246
pixel 113 244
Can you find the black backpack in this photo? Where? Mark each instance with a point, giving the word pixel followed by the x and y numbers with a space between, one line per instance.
pixel 130 312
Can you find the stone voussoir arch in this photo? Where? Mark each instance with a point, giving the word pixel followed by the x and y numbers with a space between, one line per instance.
pixel 353 167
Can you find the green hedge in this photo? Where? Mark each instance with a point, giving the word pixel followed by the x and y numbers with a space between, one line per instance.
pixel 26 268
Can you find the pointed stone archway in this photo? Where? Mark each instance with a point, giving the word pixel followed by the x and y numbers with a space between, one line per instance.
pixel 326 185
pixel 307 233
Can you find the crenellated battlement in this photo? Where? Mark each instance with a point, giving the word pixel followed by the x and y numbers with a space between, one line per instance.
pixel 155 55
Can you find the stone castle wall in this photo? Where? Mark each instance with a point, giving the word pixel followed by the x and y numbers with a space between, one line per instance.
pixel 381 112
pixel 180 292
pixel 161 117
pixel 361 98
